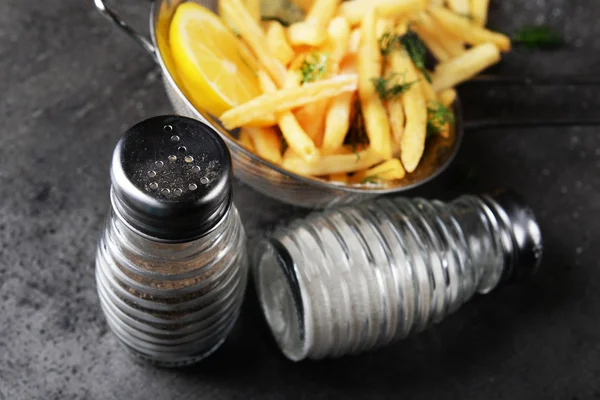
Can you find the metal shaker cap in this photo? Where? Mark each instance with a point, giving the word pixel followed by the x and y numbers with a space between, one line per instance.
pixel 171 178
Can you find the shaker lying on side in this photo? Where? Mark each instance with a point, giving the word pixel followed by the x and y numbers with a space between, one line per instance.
pixel 349 280
pixel 171 267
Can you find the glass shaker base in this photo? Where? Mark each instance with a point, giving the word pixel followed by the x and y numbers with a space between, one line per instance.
pixel 280 300
pixel 175 363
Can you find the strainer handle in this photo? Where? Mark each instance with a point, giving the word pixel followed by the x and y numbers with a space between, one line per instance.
pixel 113 17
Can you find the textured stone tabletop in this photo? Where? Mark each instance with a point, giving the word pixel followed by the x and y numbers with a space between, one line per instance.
pixel 70 86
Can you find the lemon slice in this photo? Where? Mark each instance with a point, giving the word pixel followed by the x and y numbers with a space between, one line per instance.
pixel 216 70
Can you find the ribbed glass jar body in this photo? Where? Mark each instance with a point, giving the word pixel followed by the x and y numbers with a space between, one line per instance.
pixel 172 303
pixel 349 280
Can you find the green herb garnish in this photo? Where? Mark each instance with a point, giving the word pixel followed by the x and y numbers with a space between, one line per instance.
pixel 387 42
pixel 284 145
pixel 538 37
pixel 371 179
pixel 374 178
pixel 438 115
pixel 313 67
pixel 274 18
pixel 468 16
pixel 387 89
pixel 415 48
pixel 412 43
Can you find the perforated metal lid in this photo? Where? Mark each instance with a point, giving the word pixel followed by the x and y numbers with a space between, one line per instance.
pixel 171 178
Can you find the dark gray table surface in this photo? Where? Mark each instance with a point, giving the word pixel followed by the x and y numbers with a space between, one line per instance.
pixel 71 85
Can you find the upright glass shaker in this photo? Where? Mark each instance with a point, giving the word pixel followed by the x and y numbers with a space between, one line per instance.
pixel 353 279
pixel 171 267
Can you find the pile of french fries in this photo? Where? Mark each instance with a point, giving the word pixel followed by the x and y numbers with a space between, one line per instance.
pixel 321 75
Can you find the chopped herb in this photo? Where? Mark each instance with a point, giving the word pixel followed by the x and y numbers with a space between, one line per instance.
pixel 314 67
pixel 387 42
pixel 275 18
pixel 284 145
pixel 375 178
pixel 371 179
pixel 412 43
pixel 468 16
pixel 539 37
pixel 438 116
pixel 356 153
pixel 387 89
pixel 415 48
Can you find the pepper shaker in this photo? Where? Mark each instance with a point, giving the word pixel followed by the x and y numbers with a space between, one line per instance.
pixel 353 279
pixel 171 266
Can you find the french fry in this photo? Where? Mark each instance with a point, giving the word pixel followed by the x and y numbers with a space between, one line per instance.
pixel 479 11
pixel 287 99
pixel 253 7
pixel 292 79
pixel 267 143
pixel 305 5
pixel 383 26
pixel 436 48
pixel 313 30
pixel 427 26
pixel 458 70
pixel 246 141
pixel 343 150
pixel 312 119
pixel 354 11
pixel 337 121
pixel 252 33
pixel 296 138
pixel 461 7
pixel 401 27
pixel 332 164
pixel 354 42
pixel 396 116
pixel 248 57
pixel 264 121
pixel 412 143
pixel 454 46
pixel 386 171
pixel 470 33
pixel 426 87
pixel 338 35
pixel 447 97
pixel 397 65
pixel 278 44
pixel 339 178
pixel 266 83
pixel 438 3
pixel 369 67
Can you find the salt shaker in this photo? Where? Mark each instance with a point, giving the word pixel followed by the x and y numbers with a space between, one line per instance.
pixel 171 266
pixel 353 279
